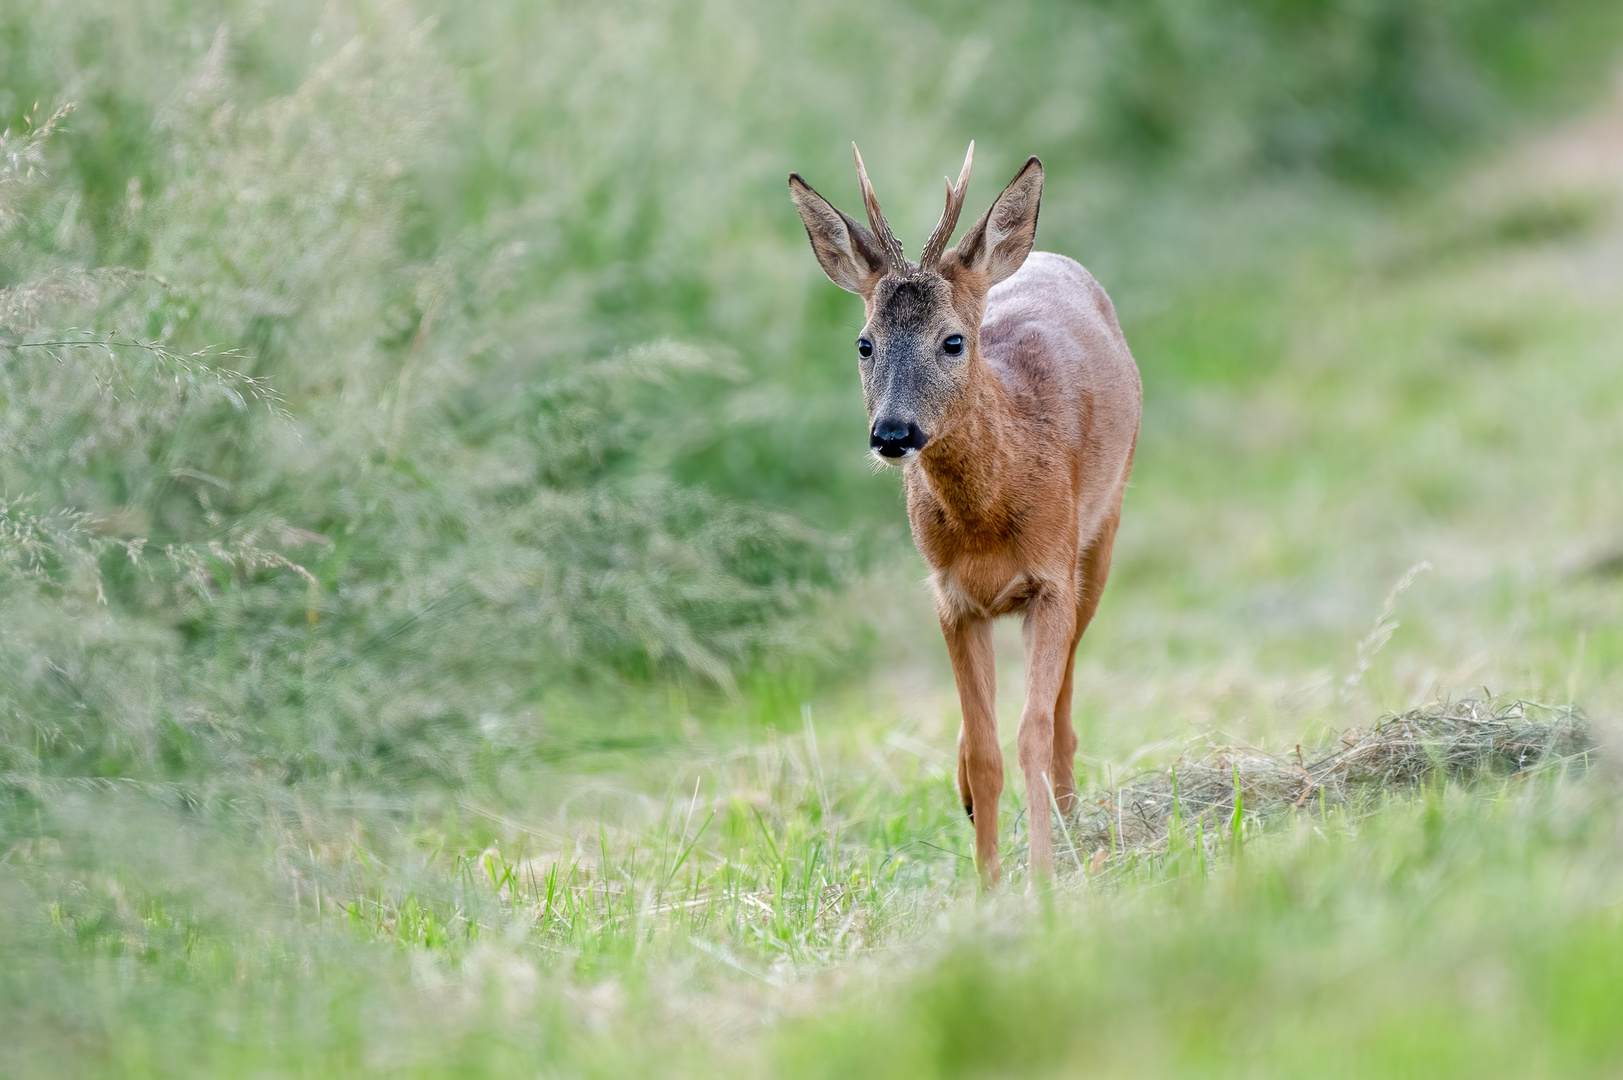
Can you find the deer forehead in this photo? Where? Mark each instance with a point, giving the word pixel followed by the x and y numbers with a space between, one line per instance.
pixel 912 305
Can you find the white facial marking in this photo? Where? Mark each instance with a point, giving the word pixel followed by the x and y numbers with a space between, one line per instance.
pixel 907 455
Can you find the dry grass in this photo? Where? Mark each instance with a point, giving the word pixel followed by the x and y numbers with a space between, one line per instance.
pixel 1223 792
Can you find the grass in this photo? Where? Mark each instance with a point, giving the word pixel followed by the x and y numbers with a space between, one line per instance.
pixel 819 883
pixel 1448 933
pixel 449 627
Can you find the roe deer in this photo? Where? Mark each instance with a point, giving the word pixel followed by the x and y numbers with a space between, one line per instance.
pixel 1003 386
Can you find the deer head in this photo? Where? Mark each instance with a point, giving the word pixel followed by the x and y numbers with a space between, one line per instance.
pixel 919 350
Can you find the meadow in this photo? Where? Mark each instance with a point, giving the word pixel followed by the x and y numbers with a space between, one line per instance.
pixel 449 626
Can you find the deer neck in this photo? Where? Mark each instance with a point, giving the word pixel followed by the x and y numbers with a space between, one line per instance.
pixel 967 464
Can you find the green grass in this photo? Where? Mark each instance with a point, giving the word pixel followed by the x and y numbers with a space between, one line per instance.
pixel 818 883
pixel 448 626
pixel 1451 934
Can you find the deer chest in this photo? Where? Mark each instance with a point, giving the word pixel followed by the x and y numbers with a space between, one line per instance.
pixel 983 587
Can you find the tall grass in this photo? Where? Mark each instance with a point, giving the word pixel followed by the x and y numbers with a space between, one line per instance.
pixel 437 509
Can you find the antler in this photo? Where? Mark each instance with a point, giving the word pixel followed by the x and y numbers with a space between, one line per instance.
pixel 881 227
pixel 937 243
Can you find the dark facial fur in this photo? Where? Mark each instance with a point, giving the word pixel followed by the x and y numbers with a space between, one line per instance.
pixel 910 382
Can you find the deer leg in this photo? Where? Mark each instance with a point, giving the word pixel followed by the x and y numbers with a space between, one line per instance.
pixel 1050 629
pixel 1063 769
pixel 980 762
pixel 1093 569
pixel 966 795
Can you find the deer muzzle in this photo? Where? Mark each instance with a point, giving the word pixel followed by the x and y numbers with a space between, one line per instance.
pixel 893 438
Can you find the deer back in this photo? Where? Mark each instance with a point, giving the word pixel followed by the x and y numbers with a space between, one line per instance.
pixel 1051 336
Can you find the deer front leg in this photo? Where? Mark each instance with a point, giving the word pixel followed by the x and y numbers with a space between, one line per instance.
pixel 1049 632
pixel 980 762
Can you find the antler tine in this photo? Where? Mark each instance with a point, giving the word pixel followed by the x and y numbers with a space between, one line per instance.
pixel 876 219
pixel 937 244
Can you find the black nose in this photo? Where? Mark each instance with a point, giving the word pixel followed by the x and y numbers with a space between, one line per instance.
pixel 893 438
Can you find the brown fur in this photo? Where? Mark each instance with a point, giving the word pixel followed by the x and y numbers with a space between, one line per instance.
pixel 1015 498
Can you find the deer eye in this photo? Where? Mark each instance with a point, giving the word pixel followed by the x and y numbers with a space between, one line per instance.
pixel 864 348
pixel 954 345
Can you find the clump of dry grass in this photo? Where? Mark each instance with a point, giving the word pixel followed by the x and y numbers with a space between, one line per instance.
pixel 1226 790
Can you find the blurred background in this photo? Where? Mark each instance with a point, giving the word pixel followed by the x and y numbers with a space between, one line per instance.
pixel 406 407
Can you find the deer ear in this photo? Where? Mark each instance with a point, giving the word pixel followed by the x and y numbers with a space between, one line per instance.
pixel 849 254
pixel 999 242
